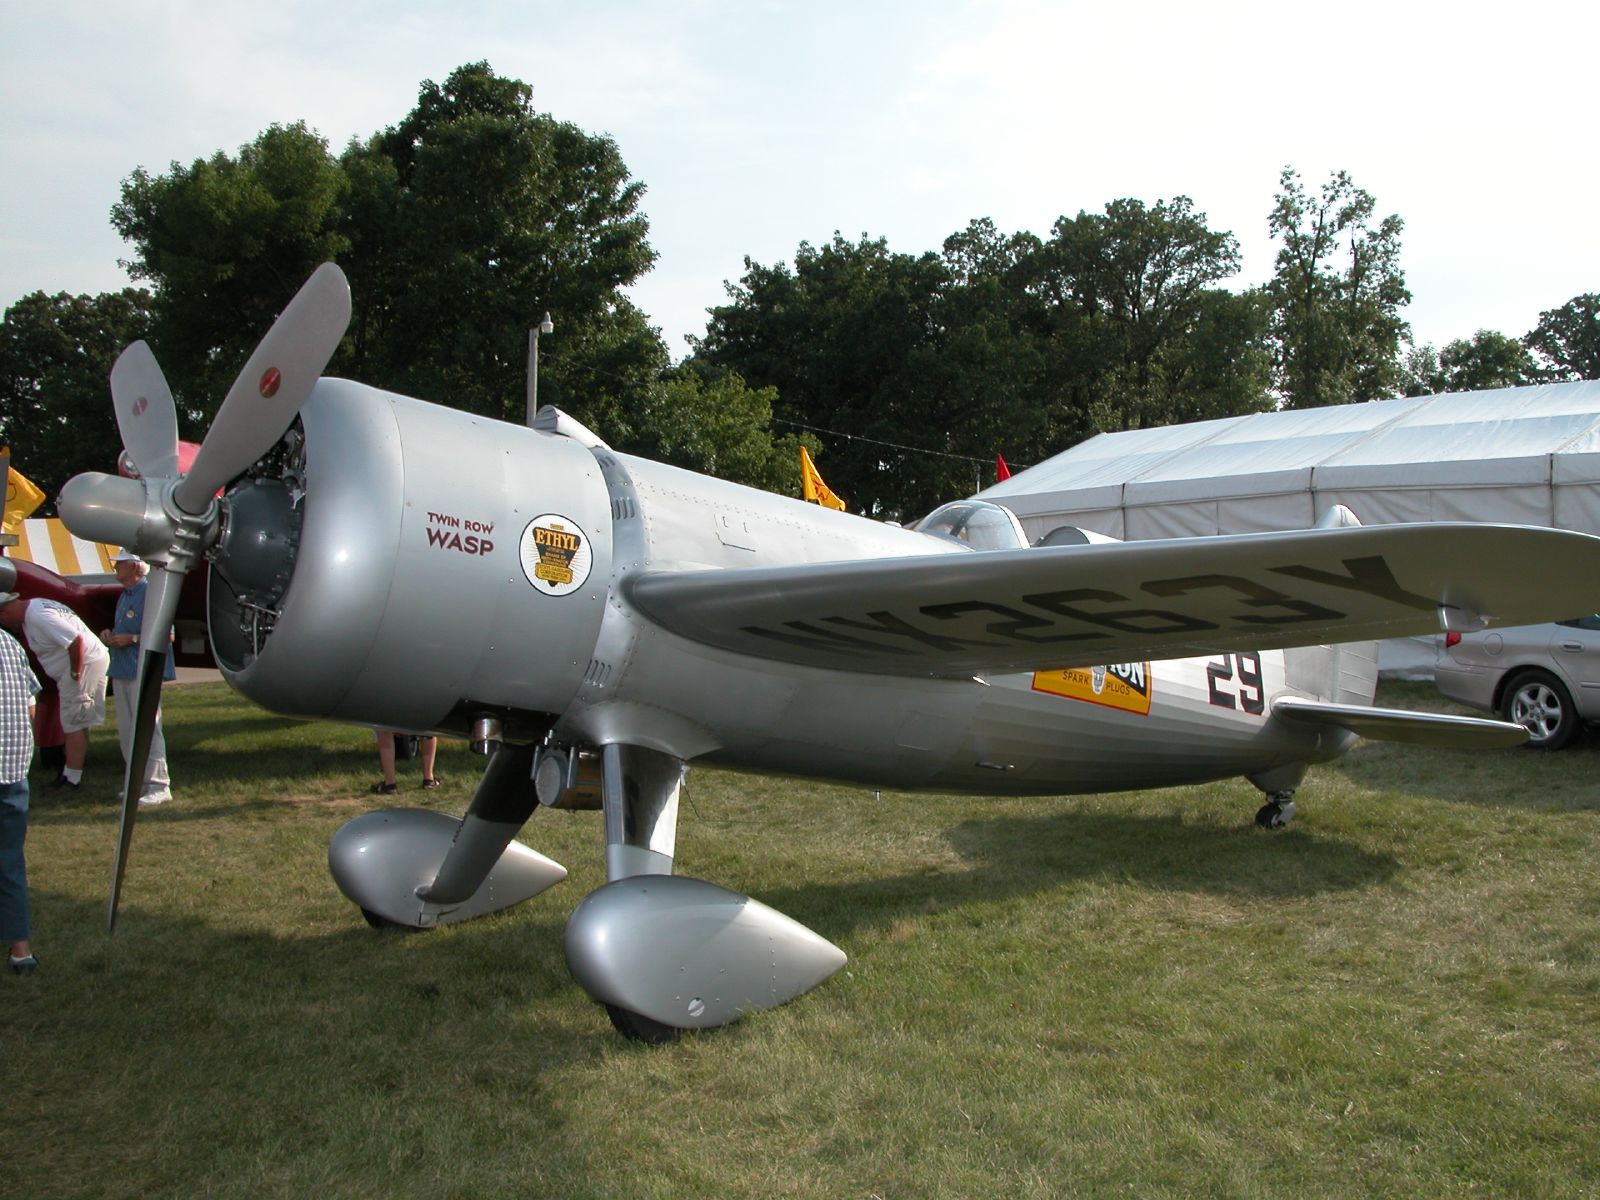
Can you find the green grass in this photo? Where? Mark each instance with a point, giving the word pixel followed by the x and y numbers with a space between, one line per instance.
pixel 1138 994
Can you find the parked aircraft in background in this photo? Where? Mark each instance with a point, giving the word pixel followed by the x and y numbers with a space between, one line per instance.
pixel 584 615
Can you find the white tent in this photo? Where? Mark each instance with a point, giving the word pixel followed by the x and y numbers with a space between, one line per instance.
pixel 1527 455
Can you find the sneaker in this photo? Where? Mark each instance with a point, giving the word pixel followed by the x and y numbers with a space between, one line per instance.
pixel 61 781
pixel 151 799
pixel 385 789
pixel 430 784
pixel 24 966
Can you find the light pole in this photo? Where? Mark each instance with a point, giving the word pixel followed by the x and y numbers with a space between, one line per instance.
pixel 544 326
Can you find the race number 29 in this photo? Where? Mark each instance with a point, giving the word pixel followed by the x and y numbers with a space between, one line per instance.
pixel 1234 681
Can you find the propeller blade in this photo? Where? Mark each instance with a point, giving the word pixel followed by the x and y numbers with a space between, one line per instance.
pixel 273 385
pixel 160 606
pixel 256 412
pixel 146 416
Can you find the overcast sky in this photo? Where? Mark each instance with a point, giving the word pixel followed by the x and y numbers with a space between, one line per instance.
pixel 757 125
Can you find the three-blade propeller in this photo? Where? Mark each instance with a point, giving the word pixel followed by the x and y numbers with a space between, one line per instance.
pixel 172 518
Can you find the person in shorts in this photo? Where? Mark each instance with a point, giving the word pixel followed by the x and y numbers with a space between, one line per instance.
pixel 72 656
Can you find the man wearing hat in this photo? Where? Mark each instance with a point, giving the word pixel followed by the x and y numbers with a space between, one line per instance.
pixel 75 659
pixel 123 638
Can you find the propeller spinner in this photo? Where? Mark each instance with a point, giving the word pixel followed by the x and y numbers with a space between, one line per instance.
pixel 172 517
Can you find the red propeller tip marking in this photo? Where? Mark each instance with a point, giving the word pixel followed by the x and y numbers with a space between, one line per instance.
pixel 270 381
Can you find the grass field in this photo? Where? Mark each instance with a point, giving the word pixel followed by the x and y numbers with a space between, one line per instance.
pixel 1138 994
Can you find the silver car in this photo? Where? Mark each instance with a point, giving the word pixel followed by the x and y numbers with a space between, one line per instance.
pixel 1546 677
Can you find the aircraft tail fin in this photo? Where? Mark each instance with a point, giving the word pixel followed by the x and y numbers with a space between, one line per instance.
pixel 1337 517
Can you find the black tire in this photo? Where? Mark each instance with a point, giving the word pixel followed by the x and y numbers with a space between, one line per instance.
pixel 638 1028
pixel 1539 702
pixel 1274 814
pixel 386 925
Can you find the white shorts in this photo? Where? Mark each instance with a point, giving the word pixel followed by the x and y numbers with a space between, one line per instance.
pixel 83 702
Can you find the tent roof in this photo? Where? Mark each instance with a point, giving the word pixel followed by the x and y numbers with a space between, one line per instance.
pixel 1504 437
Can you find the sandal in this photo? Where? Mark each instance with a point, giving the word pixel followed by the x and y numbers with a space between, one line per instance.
pixel 430 784
pixel 385 789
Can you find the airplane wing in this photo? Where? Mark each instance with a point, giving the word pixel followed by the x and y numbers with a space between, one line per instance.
pixel 1401 725
pixel 1062 606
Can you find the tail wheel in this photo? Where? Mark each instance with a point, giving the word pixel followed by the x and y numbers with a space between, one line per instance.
pixel 1275 813
pixel 1541 704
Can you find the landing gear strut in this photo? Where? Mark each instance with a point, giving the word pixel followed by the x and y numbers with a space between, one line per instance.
pixel 1278 784
pixel 666 953
pixel 1277 812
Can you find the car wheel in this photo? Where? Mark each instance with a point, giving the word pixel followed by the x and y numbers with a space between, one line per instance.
pixel 1537 701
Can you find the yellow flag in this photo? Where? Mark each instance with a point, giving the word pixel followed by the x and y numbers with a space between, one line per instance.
pixel 21 499
pixel 811 486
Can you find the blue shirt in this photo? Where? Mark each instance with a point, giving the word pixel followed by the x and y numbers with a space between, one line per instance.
pixel 129 619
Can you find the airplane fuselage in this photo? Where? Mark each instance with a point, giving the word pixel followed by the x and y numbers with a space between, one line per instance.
pixel 446 567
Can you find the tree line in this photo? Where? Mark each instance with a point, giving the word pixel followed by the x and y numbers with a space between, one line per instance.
pixel 463 223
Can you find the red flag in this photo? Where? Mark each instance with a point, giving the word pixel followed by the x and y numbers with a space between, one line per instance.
pixel 1001 471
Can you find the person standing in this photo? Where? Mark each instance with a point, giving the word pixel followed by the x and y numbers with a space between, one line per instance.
pixel 18 686
pixel 427 748
pixel 75 659
pixel 123 639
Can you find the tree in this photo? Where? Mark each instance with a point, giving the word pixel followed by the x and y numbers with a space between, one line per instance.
pixel 1567 339
pixel 1223 366
pixel 1336 295
pixel 225 243
pixel 482 215
pixel 987 363
pixel 56 353
pixel 1487 360
pixel 604 370
pixel 718 426
pixel 846 338
pixel 458 227
pixel 1420 373
pixel 1134 302
pixel 916 370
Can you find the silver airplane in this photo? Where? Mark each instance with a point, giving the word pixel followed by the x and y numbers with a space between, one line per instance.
pixel 594 622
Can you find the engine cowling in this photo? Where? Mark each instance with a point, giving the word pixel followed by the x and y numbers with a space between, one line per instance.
pixel 404 564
